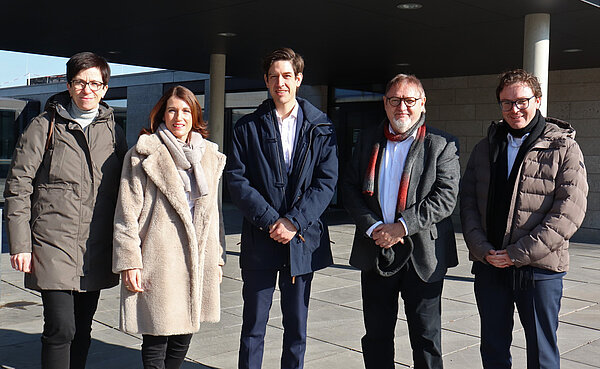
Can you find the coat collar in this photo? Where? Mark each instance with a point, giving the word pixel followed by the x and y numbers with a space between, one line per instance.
pixel 60 103
pixel 311 115
pixel 159 167
pixel 555 133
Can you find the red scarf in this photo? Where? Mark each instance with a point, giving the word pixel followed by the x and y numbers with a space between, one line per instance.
pixel 369 180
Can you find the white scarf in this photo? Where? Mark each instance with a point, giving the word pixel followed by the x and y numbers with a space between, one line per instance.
pixel 187 157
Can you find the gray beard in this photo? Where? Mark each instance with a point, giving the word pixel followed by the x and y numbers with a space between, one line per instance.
pixel 400 127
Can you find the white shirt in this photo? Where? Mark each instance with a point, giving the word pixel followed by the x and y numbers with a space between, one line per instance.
pixel 514 144
pixel 390 173
pixel 287 130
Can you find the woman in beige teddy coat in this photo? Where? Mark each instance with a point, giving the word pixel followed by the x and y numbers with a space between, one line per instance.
pixel 168 237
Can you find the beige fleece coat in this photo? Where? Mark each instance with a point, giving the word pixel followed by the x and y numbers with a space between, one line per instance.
pixel 154 231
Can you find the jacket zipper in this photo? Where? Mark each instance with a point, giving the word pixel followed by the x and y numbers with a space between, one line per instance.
pixel 310 142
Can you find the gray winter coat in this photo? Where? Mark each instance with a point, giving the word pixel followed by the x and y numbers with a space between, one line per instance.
pixel 432 194
pixel 60 200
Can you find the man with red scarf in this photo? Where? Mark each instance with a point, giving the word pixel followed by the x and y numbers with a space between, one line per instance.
pixel 401 188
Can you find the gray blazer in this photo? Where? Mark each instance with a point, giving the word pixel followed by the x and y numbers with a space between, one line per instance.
pixel 432 194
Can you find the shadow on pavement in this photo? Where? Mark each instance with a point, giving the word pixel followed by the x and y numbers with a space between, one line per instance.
pixel 23 352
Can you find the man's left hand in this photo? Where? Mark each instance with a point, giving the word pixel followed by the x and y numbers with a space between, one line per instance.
pixel 282 230
pixel 387 235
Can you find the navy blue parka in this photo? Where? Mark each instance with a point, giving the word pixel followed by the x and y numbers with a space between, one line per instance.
pixel 261 187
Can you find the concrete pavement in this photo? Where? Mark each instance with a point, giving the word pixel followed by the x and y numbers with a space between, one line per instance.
pixel 335 318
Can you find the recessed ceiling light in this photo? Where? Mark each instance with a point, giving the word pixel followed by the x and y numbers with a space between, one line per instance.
pixel 226 34
pixel 409 6
pixel 572 50
pixel 403 64
pixel 114 52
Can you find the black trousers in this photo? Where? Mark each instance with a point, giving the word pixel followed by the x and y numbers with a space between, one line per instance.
pixel 422 306
pixel 164 352
pixel 67 328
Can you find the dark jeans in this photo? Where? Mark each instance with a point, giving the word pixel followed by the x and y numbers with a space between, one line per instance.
pixel 67 327
pixel 538 307
pixel 164 352
pixel 257 292
pixel 422 306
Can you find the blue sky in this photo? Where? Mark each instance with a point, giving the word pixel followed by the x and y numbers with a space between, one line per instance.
pixel 15 66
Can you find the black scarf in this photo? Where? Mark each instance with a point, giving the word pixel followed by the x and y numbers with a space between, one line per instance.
pixel 501 186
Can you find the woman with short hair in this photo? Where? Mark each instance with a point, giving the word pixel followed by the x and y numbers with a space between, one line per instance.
pixel 60 199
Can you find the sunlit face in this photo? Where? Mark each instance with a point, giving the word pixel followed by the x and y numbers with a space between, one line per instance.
pixel 85 98
pixel 403 117
pixel 178 118
pixel 515 117
pixel 282 82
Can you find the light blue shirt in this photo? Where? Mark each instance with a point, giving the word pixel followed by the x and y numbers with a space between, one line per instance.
pixel 514 144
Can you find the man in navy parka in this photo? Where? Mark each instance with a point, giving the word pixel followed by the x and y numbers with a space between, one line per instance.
pixel 281 173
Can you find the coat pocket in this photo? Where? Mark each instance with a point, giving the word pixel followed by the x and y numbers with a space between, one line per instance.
pixel 311 238
pixel 55 211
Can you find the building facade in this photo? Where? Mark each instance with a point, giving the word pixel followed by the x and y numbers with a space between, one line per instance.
pixel 463 106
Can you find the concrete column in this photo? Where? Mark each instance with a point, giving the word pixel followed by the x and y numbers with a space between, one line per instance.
pixel 536 51
pixel 140 101
pixel 216 99
pixel 216 104
pixel 316 95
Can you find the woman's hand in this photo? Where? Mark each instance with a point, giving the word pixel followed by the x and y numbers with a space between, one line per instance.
pixel 132 279
pixel 220 273
pixel 21 262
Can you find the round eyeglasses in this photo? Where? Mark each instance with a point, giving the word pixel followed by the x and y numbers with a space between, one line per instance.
pixel 408 101
pixel 507 105
pixel 80 85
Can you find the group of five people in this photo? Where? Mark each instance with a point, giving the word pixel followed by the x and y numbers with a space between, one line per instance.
pixel 81 210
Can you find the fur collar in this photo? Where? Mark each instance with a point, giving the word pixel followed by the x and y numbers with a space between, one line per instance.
pixel 160 169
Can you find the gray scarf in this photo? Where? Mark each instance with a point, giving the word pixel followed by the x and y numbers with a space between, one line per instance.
pixel 186 157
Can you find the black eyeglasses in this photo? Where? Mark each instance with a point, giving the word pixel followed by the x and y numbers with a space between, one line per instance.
pixel 506 105
pixel 408 101
pixel 80 85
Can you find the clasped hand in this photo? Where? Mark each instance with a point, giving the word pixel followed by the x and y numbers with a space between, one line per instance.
pixel 282 230
pixel 387 235
pixel 499 258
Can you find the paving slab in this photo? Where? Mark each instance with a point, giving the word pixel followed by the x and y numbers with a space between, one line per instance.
pixel 335 324
pixel 586 316
pixel 588 354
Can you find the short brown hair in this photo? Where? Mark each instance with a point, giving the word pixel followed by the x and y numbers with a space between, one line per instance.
pixel 519 76
pixel 87 60
pixel 284 53
pixel 409 79
pixel 158 111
